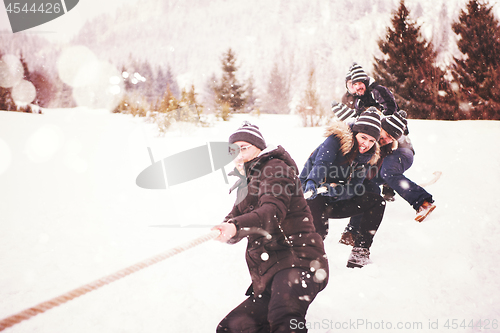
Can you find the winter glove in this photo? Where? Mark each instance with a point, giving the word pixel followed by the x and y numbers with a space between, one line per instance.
pixel 342 111
pixel 404 115
pixel 310 191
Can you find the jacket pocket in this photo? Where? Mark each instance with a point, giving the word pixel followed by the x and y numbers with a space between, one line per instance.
pixel 262 260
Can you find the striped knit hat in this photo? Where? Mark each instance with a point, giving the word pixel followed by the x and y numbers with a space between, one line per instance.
pixel 395 125
pixel 368 123
pixel 357 73
pixel 348 76
pixel 249 133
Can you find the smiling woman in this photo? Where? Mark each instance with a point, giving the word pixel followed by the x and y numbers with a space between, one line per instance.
pixel 337 170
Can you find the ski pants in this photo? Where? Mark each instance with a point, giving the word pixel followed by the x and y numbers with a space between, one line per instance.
pixel 392 174
pixel 369 207
pixel 281 308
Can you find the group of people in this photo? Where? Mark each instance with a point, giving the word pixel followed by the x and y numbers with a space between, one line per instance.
pixel 284 213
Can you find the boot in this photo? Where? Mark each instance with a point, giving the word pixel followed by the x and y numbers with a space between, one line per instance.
pixel 388 193
pixel 424 211
pixel 359 257
pixel 348 238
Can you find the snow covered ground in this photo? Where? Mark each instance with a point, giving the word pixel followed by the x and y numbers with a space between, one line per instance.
pixel 72 213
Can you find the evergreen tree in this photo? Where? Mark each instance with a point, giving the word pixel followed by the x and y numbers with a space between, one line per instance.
pixel 252 101
pixel 145 81
pixel 209 95
pixel 229 92
pixel 477 72
pixel 190 98
pixel 45 89
pixel 26 71
pixel 309 108
pixel 409 69
pixel 278 92
pixel 6 101
pixel 171 83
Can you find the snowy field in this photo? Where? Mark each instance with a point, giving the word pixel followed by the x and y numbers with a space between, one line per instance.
pixel 72 213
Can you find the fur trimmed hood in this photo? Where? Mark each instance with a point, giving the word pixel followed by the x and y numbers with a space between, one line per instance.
pixel 344 133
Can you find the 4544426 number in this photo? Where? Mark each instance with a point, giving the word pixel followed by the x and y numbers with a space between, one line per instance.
pixel 47 8
pixel 464 324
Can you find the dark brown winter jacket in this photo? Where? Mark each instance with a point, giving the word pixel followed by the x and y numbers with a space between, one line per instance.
pixel 271 211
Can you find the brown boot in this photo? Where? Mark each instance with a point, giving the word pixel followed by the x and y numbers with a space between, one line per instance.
pixel 424 211
pixel 347 238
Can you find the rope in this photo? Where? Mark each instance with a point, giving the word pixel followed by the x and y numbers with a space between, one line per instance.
pixel 42 307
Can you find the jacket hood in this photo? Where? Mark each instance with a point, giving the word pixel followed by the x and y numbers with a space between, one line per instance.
pixel 344 133
pixel 271 152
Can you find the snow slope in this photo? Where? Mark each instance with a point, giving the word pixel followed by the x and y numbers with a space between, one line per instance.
pixel 71 213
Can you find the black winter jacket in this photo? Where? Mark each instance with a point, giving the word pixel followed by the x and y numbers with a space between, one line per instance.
pixel 377 96
pixel 271 211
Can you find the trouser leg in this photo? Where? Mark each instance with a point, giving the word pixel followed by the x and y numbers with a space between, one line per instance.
pixel 281 308
pixel 319 210
pixel 392 171
pixel 370 205
pixel 355 221
pixel 292 292
pixel 248 317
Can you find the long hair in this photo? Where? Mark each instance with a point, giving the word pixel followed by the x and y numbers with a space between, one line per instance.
pixel 354 152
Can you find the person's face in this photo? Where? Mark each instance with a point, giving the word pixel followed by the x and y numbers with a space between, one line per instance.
pixel 247 153
pixel 365 142
pixel 385 138
pixel 359 88
pixel 350 88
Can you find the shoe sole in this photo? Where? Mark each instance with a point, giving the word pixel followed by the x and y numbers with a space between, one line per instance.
pixel 422 217
pixel 353 265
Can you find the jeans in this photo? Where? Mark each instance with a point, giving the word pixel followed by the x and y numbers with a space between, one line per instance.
pixel 392 173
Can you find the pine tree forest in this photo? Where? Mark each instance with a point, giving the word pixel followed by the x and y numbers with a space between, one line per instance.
pixel 449 73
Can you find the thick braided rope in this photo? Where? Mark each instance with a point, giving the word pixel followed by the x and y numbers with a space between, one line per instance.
pixel 42 307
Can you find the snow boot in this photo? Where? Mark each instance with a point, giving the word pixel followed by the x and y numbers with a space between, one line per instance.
pixel 359 257
pixel 388 193
pixel 424 211
pixel 348 238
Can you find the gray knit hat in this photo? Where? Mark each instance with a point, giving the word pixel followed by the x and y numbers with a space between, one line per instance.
pixel 249 133
pixel 368 123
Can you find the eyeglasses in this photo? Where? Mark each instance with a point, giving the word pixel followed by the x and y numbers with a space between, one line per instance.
pixel 242 149
pixel 245 148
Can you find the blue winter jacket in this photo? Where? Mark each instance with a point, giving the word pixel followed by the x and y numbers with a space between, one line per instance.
pixel 328 163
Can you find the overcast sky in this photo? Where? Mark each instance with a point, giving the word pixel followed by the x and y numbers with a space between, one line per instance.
pixel 64 27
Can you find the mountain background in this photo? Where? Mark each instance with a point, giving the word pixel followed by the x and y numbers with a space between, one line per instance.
pixel 190 36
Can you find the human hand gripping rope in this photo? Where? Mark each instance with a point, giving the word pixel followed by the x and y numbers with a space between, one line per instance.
pixel 42 307
pixel 309 194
